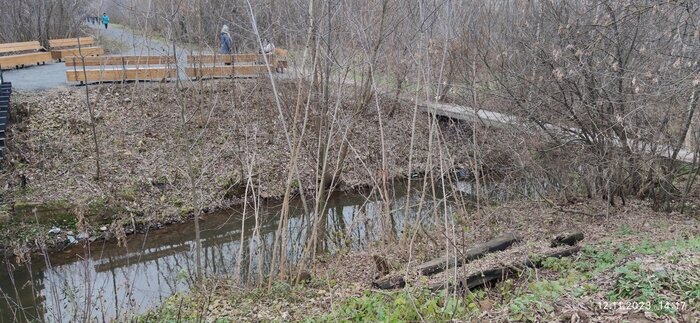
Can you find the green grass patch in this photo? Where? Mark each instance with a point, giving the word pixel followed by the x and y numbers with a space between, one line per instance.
pixel 661 276
pixel 534 298
pixel 404 306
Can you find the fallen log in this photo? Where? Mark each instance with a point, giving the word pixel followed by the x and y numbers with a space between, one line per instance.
pixel 566 238
pixel 493 275
pixel 441 264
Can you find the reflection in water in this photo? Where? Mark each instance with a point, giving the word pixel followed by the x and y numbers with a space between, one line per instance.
pixel 110 282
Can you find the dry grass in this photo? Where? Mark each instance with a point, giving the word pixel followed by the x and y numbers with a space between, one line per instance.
pixel 153 165
pixel 347 276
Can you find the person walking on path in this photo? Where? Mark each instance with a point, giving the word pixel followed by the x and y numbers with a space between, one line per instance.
pixel 225 43
pixel 105 19
pixel 268 47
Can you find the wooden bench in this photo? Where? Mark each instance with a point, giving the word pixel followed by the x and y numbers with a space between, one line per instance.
pixel 277 60
pixel 25 53
pixel 231 71
pixel 234 65
pixel 222 59
pixel 74 47
pixel 120 68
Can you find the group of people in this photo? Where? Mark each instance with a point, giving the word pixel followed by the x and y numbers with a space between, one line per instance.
pixel 226 43
pixel 95 19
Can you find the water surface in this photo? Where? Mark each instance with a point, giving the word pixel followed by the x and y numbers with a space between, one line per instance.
pixel 108 281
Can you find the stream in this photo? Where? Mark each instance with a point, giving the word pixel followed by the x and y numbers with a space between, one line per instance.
pixel 111 282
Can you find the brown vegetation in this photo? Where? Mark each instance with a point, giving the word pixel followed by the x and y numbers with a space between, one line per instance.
pixel 231 132
pixel 603 94
pixel 42 19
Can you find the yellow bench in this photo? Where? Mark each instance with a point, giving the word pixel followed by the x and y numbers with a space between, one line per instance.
pixel 82 46
pixel 120 68
pixel 25 53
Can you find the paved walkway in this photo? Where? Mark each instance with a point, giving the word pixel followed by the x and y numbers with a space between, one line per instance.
pixel 139 45
pixel 34 78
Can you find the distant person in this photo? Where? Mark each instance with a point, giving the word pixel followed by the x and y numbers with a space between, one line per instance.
pixel 268 47
pixel 225 41
pixel 105 19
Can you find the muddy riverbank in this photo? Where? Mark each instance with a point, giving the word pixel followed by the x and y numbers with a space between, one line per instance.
pixel 167 151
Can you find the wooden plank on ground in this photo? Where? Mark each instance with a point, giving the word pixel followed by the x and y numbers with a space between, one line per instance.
pixel 227 59
pixel 19 47
pixel 441 264
pixel 24 59
pixel 120 60
pixel 226 71
pixel 71 42
pixel 75 52
pixel 566 238
pixel 118 74
pixel 490 276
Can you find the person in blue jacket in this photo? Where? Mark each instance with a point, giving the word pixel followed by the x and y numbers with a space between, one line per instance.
pixel 225 42
pixel 105 19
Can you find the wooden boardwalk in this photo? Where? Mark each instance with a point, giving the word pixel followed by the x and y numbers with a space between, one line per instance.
pixel 497 119
pixel 464 113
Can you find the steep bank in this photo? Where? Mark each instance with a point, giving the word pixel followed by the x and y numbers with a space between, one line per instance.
pixel 167 151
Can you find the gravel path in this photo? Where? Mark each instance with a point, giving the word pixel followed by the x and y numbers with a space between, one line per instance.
pixel 35 78
pixel 144 46
pixel 53 75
